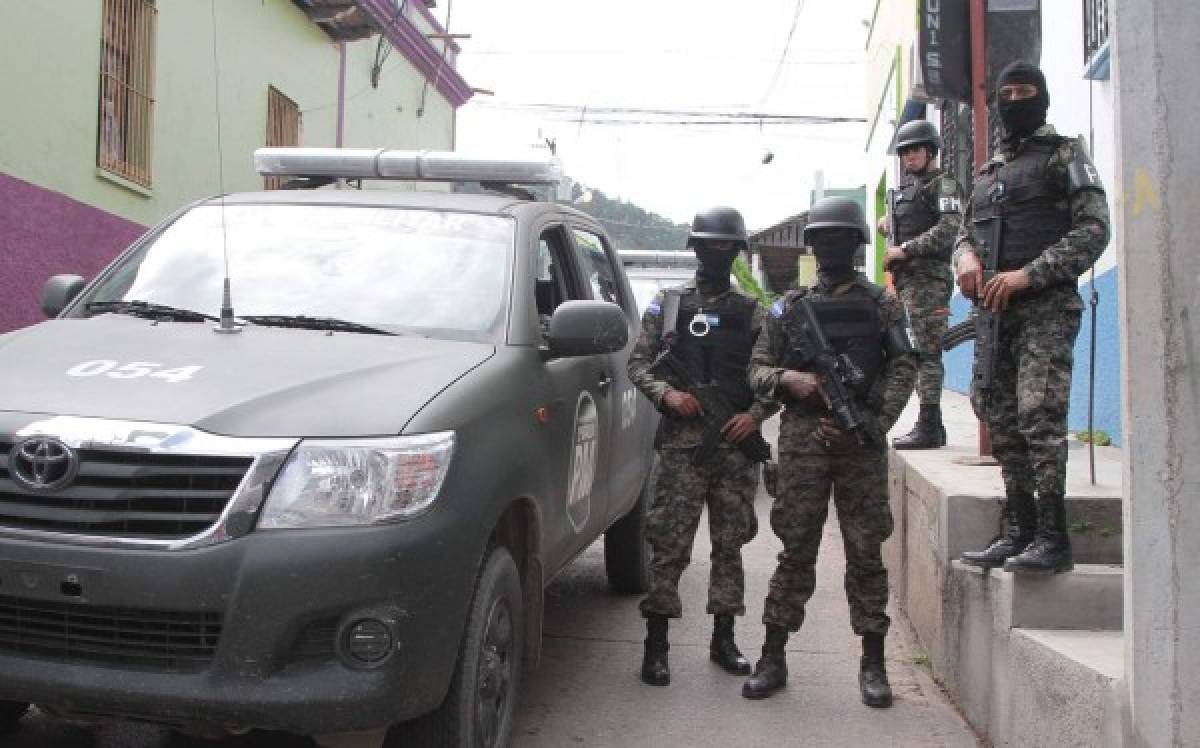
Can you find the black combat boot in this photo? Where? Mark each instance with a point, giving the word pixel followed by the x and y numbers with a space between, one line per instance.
pixel 928 433
pixel 1050 551
pixel 872 674
pixel 654 664
pixel 770 674
pixel 723 650
pixel 1021 518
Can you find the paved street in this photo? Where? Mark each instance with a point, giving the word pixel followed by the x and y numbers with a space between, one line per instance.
pixel 587 692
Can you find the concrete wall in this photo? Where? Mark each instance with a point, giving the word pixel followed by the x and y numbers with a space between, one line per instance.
pixel 1157 111
pixel 48 142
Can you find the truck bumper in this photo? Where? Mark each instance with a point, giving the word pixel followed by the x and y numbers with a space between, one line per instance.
pixel 285 600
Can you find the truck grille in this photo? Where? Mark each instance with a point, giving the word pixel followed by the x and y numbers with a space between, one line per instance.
pixel 150 638
pixel 127 494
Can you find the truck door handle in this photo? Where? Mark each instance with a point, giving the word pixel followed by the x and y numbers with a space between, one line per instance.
pixel 605 381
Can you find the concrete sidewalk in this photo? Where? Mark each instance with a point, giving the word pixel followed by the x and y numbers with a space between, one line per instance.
pixel 962 430
pixel 587 690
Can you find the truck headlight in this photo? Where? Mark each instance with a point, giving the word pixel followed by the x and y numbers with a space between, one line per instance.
pixel 334 483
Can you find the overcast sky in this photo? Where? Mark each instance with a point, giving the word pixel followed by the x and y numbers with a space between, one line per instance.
pixel 672 54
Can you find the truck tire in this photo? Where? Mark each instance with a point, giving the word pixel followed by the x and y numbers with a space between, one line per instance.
pixel 626 552
pixel 480 708
pixel 10 714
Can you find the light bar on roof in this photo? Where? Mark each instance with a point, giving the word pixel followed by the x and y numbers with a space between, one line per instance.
pixel 433 166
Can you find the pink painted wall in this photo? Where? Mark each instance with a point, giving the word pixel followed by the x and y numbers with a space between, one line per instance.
pixel 43 233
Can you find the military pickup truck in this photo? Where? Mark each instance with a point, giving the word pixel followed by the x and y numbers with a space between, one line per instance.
pixel 305 460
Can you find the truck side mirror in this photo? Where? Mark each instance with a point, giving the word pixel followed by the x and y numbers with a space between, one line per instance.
pixel 584 328
pixel 59 291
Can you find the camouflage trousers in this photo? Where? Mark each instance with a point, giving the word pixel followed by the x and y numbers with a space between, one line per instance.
pixel 858 481
pixel 927 301
pixel 726 486
pixel 1026 410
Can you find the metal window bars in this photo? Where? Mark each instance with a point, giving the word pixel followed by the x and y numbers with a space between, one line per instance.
pixel 126 108
pixel 1095 27
pixel 283 128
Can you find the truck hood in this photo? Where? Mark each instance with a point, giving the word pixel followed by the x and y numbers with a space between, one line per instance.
pixel 262 381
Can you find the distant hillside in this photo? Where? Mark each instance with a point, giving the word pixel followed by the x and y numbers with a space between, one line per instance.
pixel 630 226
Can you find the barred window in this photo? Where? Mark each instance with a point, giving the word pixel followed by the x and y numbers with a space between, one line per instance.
pixel 283 126
pixel 1095 27
pixel 127 89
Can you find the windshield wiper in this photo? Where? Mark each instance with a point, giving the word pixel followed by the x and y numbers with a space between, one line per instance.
pixel 149 310
pixel 313 323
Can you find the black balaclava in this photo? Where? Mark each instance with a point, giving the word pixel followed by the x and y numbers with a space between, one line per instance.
pixel 834 249
pixel 712 277
pixel 1022 118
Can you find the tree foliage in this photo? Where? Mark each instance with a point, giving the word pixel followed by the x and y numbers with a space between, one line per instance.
pixel 629 225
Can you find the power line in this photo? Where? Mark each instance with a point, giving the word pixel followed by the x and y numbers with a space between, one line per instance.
pixel 685 116
pixel 715 122
pixel 783 56
pixel 650 53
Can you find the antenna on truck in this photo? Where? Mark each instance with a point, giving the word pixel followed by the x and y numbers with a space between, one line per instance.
pixel 226 325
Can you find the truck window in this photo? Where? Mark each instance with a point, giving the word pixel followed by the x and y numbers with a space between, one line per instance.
pixel 554 282
pixel 596 266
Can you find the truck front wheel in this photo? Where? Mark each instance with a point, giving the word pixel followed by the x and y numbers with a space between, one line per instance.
pixel 480 708
pixel 626 553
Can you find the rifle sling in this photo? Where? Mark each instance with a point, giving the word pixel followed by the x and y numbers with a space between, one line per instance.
pixel 671 300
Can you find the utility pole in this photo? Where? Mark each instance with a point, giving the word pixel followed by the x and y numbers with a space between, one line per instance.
pixel 981 139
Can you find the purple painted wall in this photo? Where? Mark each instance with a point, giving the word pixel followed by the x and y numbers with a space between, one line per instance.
pixel 43 233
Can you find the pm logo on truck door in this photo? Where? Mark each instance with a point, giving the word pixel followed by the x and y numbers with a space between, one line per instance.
pixel 583 461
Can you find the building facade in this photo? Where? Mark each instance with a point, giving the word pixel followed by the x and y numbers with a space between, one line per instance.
pixel 1075 58
pixel 149 105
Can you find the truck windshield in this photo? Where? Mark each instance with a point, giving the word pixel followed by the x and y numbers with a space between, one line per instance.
pixel 429 272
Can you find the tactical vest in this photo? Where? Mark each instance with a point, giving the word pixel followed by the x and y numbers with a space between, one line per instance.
pixel 852 326
pixel 913 215
pixel 722 355
pixel 1035 209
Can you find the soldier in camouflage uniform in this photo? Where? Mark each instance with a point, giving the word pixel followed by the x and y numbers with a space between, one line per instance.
pixel 714 331
pixel 1055 226
pixel 927 217
pixel 869 325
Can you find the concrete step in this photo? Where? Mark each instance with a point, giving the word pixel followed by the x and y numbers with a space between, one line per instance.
pixel 1066 688
pixel 1089 598
pixel 965 507
pixel 1016 650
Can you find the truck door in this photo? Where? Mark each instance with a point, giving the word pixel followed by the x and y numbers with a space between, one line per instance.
pixel 632 414
pixel 581 421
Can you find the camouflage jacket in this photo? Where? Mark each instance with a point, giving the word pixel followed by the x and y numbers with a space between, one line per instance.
pixel 676 432
pixel 881 406
pixel 1053 275
pixel 929 253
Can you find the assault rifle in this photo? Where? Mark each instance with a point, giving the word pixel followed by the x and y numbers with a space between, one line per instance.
pixel 811 351
pixel 892 240
pixel 717 410
pixel 983 324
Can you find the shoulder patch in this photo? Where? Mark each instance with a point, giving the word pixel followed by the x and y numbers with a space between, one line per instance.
pixel 1081 174
pixel 948 199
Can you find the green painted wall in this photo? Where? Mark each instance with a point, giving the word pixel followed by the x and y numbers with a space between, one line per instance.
pixel 880 240
pixel 52 55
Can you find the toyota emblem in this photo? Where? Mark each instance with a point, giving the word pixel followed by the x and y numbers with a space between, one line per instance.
pixel 42 464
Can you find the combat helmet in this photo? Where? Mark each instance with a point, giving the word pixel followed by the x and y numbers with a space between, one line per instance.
pixel 919 132
pixel 836 213
pixel 721 223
